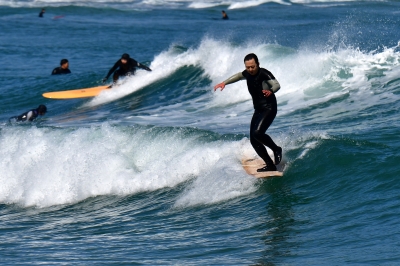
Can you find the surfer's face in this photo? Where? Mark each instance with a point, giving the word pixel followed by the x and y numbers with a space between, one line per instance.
pixel 123 61
pixel 65 65
pixel 251 66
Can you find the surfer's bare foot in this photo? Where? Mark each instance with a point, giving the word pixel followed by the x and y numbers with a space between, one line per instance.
pixel 278 155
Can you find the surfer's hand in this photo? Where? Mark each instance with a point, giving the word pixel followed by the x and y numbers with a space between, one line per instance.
pixel 104 80
pixel 220 85
pixel 266 93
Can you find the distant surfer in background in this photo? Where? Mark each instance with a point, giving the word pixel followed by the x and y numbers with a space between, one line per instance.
pixel 30 115
pixel 62 69
pixel 42 13
pixel 262 86
pixel 224 15
pixel 124 67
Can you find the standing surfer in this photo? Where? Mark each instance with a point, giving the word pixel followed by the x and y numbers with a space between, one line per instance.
pixel 262 86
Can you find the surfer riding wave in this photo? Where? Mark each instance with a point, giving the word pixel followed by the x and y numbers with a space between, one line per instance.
pixel 262 86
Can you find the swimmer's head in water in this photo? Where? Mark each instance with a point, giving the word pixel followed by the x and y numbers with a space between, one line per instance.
pixel 125 58
pixel 64 63
pixel 42 109
pixel 251 63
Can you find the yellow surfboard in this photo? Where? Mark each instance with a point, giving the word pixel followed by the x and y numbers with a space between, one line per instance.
pixel 251 166
pixel 73 94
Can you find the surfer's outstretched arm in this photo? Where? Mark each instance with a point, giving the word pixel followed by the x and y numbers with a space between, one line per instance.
pixel 116 65
pixel 232 79
pixel 143 67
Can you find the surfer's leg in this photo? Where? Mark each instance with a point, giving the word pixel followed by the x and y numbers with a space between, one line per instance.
pixel 267 116
pixel 258 145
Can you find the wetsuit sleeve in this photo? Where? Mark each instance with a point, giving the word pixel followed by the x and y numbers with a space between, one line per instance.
pixel 116 65
pixel 55 71
pixel 234 78
pixel 143 67
pixel 272 85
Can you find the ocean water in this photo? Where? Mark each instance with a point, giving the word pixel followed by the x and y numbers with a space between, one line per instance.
pixel 149 172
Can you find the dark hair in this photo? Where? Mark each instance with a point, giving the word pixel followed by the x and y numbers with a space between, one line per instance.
pixel 125 56
pixel 42 108
pixel 63 61
pixel 251 56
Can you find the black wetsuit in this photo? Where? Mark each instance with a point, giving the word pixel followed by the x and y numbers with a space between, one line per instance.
pixel 60 70
pixel 265 109
pixel 129 68
pixel 27 116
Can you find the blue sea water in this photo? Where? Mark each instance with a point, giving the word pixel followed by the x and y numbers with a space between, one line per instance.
pixel 150 171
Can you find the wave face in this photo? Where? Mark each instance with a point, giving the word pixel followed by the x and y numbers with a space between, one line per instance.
pixel 343 83
pixel 150 171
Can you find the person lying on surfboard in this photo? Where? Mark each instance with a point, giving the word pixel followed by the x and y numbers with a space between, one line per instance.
pixel 126 66
pixel 262 86
pixel 30 115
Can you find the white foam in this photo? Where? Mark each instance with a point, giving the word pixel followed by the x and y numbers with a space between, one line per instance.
pixel 162 66
pixel 208 4
pixel 252 3
pixel 218 59
pixel 149 4
pixel 234 4
pixel 310 77
pixel 45 166
pixel 318 1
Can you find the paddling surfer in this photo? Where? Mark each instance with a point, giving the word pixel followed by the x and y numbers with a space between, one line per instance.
pixel 30 115
pixel 124 67
pixel 262 86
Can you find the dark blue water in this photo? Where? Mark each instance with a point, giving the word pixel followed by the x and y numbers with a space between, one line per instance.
pixel 150 173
